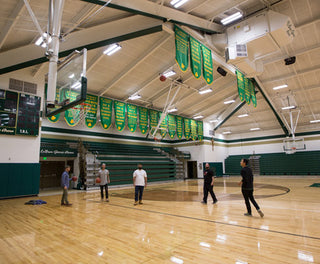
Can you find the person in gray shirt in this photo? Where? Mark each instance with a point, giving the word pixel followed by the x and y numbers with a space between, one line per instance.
pixel 104 176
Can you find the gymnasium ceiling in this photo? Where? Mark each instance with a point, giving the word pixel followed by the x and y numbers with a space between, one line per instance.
pixel 136 67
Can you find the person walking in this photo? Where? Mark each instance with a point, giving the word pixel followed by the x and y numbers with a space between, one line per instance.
pixel 65 185
pixel 104 176
pixel 247 188
pixel 208 185
pixel 139 183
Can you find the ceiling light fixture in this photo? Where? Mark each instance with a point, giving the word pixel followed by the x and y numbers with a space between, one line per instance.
pixel 231 18
pixel 178 3
pixel 76 85
pixel 135 97
pixel 255 128
pixel 280 87
pixel 315 121
pixel 209 90
pixel 229 102
pixel 43 40
pixel 172 110
pixel 169 73
pixel 198 117
pixel 112 49
pixel 226 132
pixel 288 107
pixel 244 115
pixel 214 121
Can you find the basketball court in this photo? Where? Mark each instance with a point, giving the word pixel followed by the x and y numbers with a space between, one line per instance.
pixel 182 89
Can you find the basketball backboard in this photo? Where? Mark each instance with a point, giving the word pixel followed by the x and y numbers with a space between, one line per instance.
pixel 292 145
pixel 71 86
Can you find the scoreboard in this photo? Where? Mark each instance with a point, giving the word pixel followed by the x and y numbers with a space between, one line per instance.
pixel 19 113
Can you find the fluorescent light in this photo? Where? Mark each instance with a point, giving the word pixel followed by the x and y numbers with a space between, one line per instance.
pixel 214 121
pixel 288 107
pixel 169 73
pixel 71 76
pixel 229 102
pixel 100 253
pixel 244 115
pixel 209 90
pixel 176 260
pixel 315 121
pixel 112 49
pixel 204 244
pixel 280 87
pixel 135 97
pixel 178 3
pixel 226 132
pixel 231 18
pixel 255 128
pixel 76 85
pixel 172 110
pixel 305 256
pixel 198 117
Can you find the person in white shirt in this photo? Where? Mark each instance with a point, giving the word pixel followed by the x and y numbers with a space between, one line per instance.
pixel 104 176
pixel 139 183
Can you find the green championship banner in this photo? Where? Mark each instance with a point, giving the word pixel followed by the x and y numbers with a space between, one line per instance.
pixel 200 130
pixel 171 125
pixel 55 118
pixel 120 115
pixel 181 41
pixel 71 115
pixel 193 128
pixel 132 117
pixel 253 94
pixel 154 118
pixel 187 128
pixel 241 87
pixel 91 116
pixel 143 120
pixel 105 112
pixel 195 57
pixel 179 124
pixel 247 90
pixel 163 126
pixel 207 64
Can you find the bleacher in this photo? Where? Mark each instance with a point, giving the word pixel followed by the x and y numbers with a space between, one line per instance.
pixel 300 163
pixel 122 160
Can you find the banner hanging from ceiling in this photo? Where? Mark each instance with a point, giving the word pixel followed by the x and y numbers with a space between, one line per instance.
pixel 105 112
pixel 91 116
pixel 179 125
pixel 200 130
pixel 132 117
pixel 195 57
pixel 163 126
pixel 247 90
pixel 187 128
pixel 207 64
pixel 240 83
pixel 253 94
pixel 182 48
pixel 193 129
pixel 120 115
pixel 171 125
pixel 143 120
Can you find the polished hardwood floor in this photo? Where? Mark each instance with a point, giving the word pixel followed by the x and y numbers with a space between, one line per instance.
pixel 172 226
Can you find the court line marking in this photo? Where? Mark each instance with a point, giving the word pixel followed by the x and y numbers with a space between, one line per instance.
pixel 211 221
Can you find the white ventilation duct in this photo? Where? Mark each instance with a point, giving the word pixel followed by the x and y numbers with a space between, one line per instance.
pixel 255 38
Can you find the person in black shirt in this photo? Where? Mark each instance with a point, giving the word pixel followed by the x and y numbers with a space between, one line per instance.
pixel 208 185
pixel 247 187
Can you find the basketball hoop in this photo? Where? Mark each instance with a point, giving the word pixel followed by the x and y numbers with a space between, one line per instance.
pixel 79 112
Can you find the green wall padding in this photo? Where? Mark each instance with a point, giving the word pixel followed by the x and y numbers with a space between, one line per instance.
pixel 300 163
pixel 19 179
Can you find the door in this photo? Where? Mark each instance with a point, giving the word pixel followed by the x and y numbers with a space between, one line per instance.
pixel 50 173
pixel 192 170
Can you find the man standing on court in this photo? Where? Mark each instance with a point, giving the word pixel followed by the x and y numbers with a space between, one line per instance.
pixel 208 185
pixel 247 187
pixel 65 185
pixel 104 176
pixel 139 182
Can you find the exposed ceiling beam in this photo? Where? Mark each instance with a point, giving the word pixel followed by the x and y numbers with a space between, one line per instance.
pixel 291 75
pixel 12 19
pixel 91 38
pixel 164 13
pixel 135 63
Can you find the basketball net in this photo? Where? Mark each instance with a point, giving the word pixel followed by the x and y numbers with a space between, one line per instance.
pixel 79 112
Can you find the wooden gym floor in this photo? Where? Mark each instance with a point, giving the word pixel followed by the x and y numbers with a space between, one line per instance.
pixel 170 227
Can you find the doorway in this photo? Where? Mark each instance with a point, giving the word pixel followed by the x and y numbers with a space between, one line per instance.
pixel 192 170
pixel 50 173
